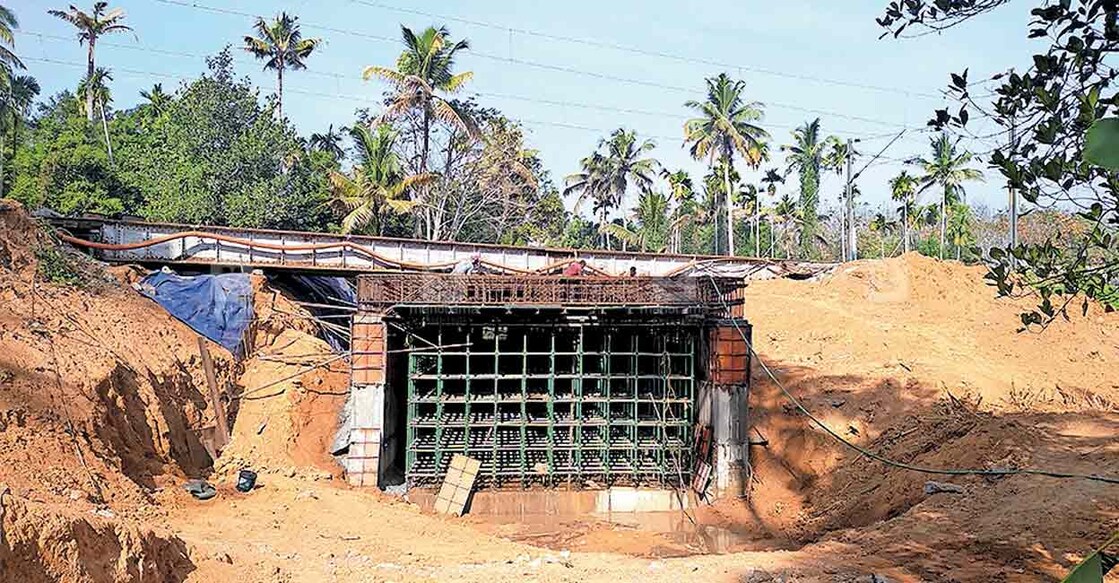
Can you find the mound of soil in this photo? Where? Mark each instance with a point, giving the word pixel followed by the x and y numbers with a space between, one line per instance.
pixel 40 543
pixel 101 391
pixel 917 359
pixel 288 407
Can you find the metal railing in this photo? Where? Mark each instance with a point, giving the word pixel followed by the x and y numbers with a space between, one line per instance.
pixel 382 291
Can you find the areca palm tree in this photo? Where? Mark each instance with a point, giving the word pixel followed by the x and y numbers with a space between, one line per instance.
pixel 92 26
pixel 94 92
pixel 725 126
pixel 748 199
pixel 680 190
pixel 281 46
pixel 423 73
pixel 903 187
pixel 377 184
pixel 960 227
pixel 807 156
pixel 948 169
pixel 881 224
pixel 787 214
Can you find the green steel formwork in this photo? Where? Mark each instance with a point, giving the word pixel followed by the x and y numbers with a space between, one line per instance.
pixel 585 403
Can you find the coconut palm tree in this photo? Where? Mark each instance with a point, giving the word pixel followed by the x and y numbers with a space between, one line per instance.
pixel 9 62
pixel 650 228
pixel 377 184
pixel 281 46
pixel 423 73
pixel 590 183
pixel 156 98
pixel 626 162
pixel 947 169
pixel 605 175
pixel 808 155
pixel 92 26
pixel 903 187
pixel 725 127
pixel 329 142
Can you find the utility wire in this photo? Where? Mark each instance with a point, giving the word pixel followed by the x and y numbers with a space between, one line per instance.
pixel 547 66
pixel 649 52
pixel 490 94
pixel 885 460
pixel 355 98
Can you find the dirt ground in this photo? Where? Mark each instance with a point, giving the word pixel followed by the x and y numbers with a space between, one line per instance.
pixel 103 409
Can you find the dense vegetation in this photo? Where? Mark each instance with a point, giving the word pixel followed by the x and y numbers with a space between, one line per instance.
pixel 434 164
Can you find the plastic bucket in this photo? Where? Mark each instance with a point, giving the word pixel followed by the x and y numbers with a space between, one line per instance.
pixel 246 480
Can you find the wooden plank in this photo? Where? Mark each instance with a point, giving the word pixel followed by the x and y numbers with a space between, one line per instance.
pixel 221 438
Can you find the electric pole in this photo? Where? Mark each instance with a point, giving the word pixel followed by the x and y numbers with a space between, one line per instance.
pixel 852 252
pixel 1013 195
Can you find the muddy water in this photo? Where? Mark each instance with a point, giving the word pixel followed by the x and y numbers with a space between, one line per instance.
pixel 646 534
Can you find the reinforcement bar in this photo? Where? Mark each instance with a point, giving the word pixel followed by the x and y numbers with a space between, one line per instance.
pixel 172 244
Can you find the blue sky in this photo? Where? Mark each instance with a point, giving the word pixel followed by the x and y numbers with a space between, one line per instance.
pixel 802 58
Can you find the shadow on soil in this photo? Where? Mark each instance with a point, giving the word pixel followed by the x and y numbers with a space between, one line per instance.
pixel 808 487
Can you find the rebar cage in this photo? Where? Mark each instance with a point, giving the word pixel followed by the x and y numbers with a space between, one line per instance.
pixel 381 291
pixel 551 401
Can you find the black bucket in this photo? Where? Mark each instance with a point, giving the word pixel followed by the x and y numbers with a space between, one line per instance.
pixel 246 480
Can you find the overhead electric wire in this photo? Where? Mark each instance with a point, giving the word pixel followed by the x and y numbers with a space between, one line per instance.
pixel 371 100
pixel 490 94
pixel 888 461
pixel 548 66
pixel 649 52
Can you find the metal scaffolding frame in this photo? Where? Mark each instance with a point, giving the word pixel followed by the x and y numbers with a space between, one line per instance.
pixel 586 403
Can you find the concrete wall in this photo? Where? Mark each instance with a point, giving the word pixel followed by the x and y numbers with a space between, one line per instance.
pixel 367 401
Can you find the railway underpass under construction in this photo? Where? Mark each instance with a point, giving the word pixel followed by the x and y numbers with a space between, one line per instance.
pixel 605 382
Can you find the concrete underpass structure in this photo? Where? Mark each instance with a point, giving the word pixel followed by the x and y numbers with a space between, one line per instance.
pixel 599 385
pixel 584 383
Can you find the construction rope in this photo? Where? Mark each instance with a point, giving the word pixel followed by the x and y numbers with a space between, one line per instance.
pixel 894 463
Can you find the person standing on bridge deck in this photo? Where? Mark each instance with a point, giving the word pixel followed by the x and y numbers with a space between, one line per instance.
pixel 575 268
pixel 471 266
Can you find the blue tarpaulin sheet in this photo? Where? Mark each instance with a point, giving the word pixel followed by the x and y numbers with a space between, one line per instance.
pixel 219 307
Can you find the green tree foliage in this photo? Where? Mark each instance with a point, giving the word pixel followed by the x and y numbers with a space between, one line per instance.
pixel 606 175
pixel 724 127
pixel 1052 105
pixel 92 26
pixel 64 165
pixel 217 156
pixel 280 44
pixel 9 62
pixel 808 156
pixel 903 190
pixel 424 75
pixel 649 229
pixel 376 184
pixel 947 170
